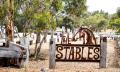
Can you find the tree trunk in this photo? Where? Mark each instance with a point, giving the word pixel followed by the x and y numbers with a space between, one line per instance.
pixel 25 28
pixel 37 41
pixel 9 23
pixel 39 47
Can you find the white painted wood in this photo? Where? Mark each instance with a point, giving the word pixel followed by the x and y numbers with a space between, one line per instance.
pixel 52 54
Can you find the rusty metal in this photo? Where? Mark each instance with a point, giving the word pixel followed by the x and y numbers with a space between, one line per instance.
pixel 66 51
pixel 63 60
pixel 74 52
pixel 66 40
pixel 87 35
pixel 78 45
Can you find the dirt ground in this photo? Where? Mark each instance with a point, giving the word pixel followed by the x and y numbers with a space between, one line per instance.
pixel 36 66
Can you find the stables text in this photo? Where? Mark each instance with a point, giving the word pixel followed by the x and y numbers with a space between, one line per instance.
pixel 77 52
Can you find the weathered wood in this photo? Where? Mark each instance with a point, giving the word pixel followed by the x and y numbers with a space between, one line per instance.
pixel 52 54
pixel 103 52
pixel 13 51
pixel 9 53
pixel 16 47
pixel 25 42
pixel 116 51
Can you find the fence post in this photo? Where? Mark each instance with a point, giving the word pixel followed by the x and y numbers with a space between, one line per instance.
pixel 103 52
pixel 116 53
pixel 52 54
pixel 25 42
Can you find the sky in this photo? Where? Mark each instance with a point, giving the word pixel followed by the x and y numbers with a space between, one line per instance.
pixel 109 6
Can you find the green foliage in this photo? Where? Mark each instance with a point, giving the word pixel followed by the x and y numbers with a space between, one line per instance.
pixel 3 11
pixel 118 12
pixel 59 22
pixel 35 14
pixel 28 13
pixel 57 4
pixel 42 21
pixel 118 31
pixel 19 21
pixel 38 15
pixel 115 23
pixel 96 20
pixel 75 7
pixel 68 23
pixel 113 16
pixel 102 24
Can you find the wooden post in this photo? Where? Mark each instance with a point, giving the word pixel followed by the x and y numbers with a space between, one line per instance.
pixel 103 52
pixel 115 62
pixel 52 54
pixel 25 42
